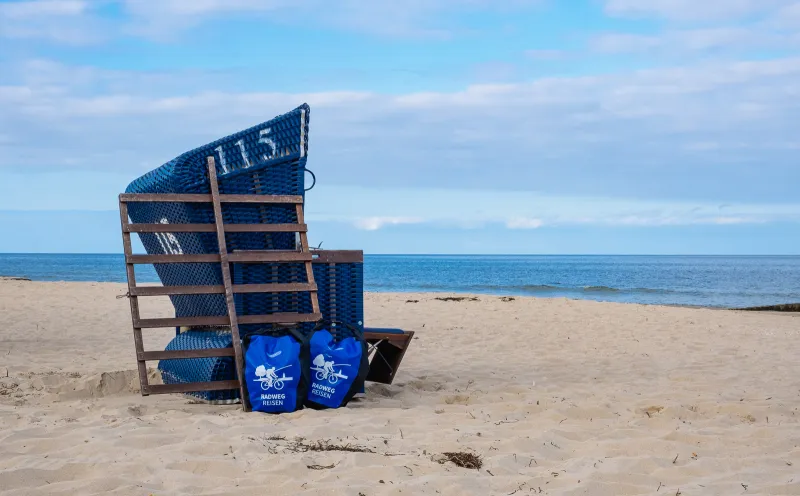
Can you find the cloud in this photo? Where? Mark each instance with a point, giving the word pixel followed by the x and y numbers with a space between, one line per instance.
pixel 524 223
pixel 523 210
pixel 60 21
pixel 25 10
pixel 632 134
pixel 375 223
pixel 83 22
pixel 690 10
pixel 718 27
pixel 691 40
pixel 385 18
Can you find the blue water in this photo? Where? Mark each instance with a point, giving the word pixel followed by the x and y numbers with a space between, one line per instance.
pixel 713 281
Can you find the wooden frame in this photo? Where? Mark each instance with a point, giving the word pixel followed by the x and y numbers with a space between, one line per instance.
pixel 227 288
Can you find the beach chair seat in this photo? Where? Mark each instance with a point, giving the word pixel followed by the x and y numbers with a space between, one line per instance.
pixel 205 369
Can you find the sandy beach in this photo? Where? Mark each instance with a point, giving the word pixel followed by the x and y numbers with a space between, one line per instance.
pixel 557 396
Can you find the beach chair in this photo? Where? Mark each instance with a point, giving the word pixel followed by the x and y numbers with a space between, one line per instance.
pixel 240 211
pixel 244 192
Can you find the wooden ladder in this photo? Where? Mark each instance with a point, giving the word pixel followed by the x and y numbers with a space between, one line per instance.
pixel 227 288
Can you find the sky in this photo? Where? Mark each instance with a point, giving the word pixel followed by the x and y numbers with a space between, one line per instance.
pixel 437 126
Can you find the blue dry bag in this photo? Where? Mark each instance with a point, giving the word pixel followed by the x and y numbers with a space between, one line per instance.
pixel 276 370
pixel 339 365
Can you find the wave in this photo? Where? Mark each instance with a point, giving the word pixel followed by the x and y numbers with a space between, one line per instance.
pixel 515 288
pixel 600 289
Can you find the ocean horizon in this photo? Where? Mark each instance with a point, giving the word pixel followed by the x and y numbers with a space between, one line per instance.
pixel 718 281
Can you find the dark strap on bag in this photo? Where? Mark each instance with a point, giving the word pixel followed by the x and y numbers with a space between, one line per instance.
pixel 332 324
pixel 275 331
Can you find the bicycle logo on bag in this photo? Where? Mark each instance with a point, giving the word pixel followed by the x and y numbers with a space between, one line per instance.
pixel 325 371
pixel 269 379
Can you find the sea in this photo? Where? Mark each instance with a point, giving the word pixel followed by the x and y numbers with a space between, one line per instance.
pixel 704 281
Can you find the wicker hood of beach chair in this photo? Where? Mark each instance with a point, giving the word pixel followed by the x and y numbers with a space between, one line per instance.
pixel 269 159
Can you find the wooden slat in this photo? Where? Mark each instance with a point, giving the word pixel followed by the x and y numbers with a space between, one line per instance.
pixel 280 318
pixel 182 321
pixel 225 266
pixel 276 199
pixel 291 287
pixel 273 318
pixel 150 259
pixel 134 302
pixel 201 228
pixel 177 290
pixel 194 198
pixel 253 256
pixel 193 387
pixel 164 197
pixel 338 256
pixel 220 289
pixel 305 249
pixel 269 256
pixel 183 354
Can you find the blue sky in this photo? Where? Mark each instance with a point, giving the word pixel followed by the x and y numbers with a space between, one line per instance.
pixel 437 126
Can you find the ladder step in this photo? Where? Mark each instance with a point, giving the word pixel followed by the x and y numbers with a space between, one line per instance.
pixel 220 289
pixel 291 287
pixel 191 387
pixel 200 228
pixel 182 354
pixel 194 198
pixel 243 256
pixel 274 318
pixel 269 256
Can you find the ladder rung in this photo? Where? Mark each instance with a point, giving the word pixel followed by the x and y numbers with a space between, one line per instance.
pixel 243 256
pixel 291 287
pixel 274 318
pixel 280 318
pixel 201 228
pixel 269 256
pixel 194 198
pixel 221 320
pixel 150 259
pixel 190 387
pixel 183 354
pixel 219 289
pixel 177 290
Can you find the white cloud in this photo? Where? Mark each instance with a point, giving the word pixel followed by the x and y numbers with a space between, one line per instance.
pixel 163 20
pixel 624 42
pixel 524 223
pixel 636 133
pixel 375 223
pixel 518 210
pixel 691 10
pixel 691 40
pixel 415 18
pixel 24 10
pixel 60 21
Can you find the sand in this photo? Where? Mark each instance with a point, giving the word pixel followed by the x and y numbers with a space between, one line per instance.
pixel 557 396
